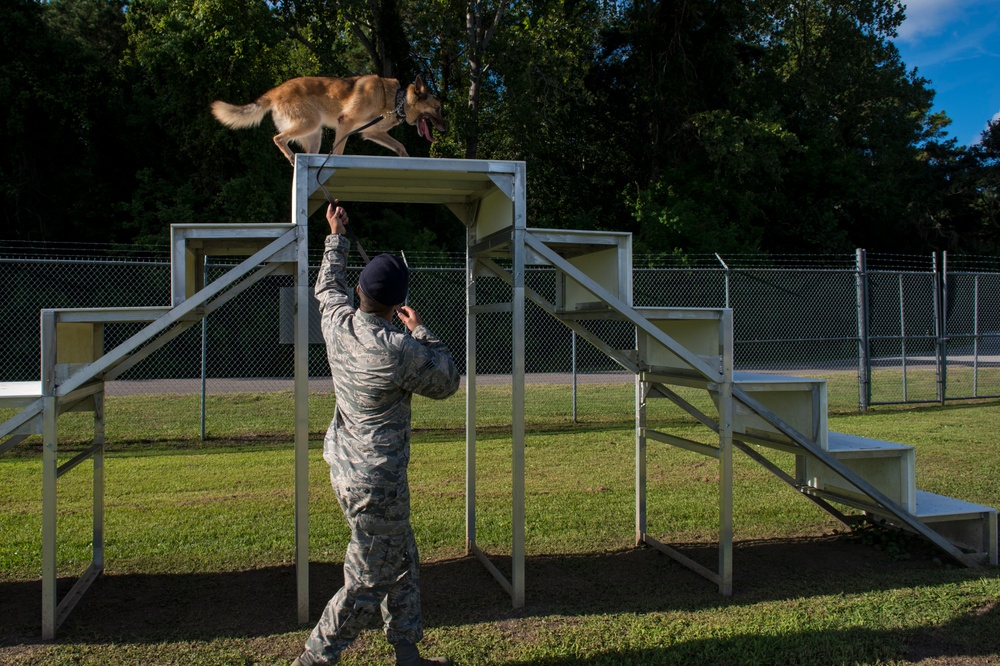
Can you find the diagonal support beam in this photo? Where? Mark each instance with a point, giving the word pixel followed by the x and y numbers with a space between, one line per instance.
pixel 134 359
pixel 167 320
pixel 21 418
pixel 780 473
pixel 12 442
pixel 675 398
pixel 615 355
pixel 620 306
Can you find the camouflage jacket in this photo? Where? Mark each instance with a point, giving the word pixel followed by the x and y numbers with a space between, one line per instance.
pixel 376 368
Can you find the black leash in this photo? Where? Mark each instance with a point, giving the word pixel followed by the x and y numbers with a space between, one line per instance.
pixel 400 114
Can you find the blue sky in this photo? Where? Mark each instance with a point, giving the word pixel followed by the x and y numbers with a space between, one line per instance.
pixel 956 45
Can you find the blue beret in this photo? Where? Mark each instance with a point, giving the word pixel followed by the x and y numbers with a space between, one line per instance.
pixel 384 279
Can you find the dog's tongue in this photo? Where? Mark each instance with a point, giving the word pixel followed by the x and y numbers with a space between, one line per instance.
pixel 424 130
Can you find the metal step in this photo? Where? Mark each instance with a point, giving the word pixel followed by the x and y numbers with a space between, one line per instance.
pixel 799 401
pixel 971 527
pixel 888 466
pixel 190 244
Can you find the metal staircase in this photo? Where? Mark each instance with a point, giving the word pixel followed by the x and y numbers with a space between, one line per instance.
pixel 75 365
pixel 755 413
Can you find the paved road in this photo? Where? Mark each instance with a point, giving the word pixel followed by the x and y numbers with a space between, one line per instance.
pixel 322 384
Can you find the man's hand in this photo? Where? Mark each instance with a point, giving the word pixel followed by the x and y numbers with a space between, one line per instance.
pixel 337 217
pixel 409 317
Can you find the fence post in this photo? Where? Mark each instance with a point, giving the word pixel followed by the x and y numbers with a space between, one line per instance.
pixel 573 333
pixel 204 357
pixel 940 323
pixel 975 336
pixel 725 273
pixel 864 351
pixel 902 334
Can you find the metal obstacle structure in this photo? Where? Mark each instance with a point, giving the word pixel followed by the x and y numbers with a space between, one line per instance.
pixel 75 366
pixel 685 347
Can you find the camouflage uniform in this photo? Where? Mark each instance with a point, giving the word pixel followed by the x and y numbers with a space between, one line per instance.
pixel 376 369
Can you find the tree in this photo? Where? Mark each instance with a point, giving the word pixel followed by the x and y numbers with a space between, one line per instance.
pixel 800 128
pixel 352 37
pixel 960 209
pixel 700 126
pixel 61 102
pixel 182 56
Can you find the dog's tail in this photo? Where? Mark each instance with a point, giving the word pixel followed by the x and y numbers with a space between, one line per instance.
pixel 241 117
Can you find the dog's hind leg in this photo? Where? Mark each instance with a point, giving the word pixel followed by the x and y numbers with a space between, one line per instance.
pixel 306 134
pixel 311 142
pixel 281 141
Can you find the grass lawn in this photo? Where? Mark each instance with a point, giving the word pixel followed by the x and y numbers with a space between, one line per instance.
pixel 199 544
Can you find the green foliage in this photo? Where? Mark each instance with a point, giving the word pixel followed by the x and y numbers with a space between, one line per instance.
pixel 182 56
pixel 703 126
pixel 722 198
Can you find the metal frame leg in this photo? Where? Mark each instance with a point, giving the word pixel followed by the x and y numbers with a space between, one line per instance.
pixel 50 471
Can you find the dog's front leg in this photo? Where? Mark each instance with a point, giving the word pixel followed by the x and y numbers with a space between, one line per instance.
pixel 339 143
pixel 383 139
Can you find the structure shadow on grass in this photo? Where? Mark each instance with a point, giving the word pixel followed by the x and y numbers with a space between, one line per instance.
pixel 968 641
pixel 141 608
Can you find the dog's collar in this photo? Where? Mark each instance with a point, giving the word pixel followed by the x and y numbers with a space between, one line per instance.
pixel 400 101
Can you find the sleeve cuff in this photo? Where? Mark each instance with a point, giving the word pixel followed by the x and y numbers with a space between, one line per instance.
pixel 337 242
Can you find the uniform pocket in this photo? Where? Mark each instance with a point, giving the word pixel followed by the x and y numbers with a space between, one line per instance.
pixel 380 561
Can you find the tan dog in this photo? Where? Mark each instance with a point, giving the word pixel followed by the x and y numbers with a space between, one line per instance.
pixel 302 107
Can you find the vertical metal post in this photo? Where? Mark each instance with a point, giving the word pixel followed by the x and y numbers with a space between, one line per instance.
pixel 944 326
pixel 726 457
pixel 300 217
pixel 204 358
pixel 864 350
pixel 517 411
pixel 517 427
pixel 50 473
pixel 98 542
pixel 573 337
pixel 725 273
pixel 902 333
pixel 470 397
pixel 50 466
pixel 975 336
pixel 939 332
pixel 641 391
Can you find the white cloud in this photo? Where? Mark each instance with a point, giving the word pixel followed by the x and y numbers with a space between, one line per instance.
pixel 930 17
pixel 979 137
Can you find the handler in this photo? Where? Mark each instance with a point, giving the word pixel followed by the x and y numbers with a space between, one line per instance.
pixel 376 369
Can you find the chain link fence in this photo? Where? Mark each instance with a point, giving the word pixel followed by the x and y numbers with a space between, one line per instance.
pixel 880 329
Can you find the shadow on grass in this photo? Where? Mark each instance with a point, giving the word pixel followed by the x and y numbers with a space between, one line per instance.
pixel 964 642
pixel 143 609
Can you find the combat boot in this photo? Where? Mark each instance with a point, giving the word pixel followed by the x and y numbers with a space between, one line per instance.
pixel 408 655
pixel 307 659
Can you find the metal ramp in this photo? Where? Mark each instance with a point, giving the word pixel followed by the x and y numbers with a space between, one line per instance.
pixel 75 366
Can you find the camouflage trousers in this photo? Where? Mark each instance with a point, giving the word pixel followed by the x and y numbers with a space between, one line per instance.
pixel 381 571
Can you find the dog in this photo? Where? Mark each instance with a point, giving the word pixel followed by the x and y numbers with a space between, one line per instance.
pixel 303 106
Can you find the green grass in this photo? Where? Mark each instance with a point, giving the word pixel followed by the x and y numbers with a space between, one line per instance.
pixel 199 543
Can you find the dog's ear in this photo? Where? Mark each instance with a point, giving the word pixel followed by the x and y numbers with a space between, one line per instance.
pixel 419 87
